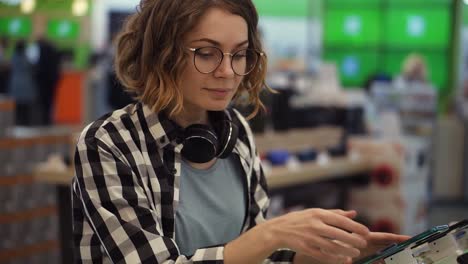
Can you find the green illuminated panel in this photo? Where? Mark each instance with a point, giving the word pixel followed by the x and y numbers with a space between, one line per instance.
pixel 420 3
pixel 62 29
pixel 352 27
pixel 353 3
pixel 465 15
pixel 354 66
pixel 416 27
pixel 17 27
pixel 282 8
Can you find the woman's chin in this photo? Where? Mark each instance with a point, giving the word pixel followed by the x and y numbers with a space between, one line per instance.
pixel 218 106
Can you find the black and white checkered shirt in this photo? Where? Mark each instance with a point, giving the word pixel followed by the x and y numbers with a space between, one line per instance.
pixel 126 190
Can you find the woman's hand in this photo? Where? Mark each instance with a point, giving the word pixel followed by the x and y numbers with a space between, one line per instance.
pixel 330 236
pixel 375 241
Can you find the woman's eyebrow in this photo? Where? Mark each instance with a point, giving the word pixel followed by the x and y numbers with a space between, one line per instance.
pixel 216 43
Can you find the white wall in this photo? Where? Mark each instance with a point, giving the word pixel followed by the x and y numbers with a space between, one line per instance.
pixel 292 38
pixel 100 19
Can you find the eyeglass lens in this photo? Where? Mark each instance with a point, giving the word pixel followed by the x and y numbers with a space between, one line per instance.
pixel 208 59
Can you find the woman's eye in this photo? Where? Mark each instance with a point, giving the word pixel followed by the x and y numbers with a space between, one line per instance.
pixel 206 54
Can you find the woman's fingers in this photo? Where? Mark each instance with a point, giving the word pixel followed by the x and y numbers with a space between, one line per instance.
pixel 344 223
pixel 334 233
pixel 334 248
pixel 350 214
pixel 385 238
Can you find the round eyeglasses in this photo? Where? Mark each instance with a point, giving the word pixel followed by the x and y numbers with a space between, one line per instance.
pixel 208 59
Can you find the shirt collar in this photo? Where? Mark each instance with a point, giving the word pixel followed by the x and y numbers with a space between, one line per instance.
pixel 160 126
pixel 163 129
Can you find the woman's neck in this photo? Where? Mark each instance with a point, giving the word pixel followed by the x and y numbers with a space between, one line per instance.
pixel 191 116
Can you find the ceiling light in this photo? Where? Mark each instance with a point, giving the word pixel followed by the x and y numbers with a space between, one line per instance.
pixel 80 7
pixel 27 6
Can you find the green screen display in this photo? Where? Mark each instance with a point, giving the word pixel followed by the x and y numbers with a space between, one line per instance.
pixel 437 66
pixel 354 67
pixel 420 3
pixel 62 29
pixel 345 27
pixel 465 16
pixel 281 8
pixel 416 27
pixel 353 3
pixel 16 27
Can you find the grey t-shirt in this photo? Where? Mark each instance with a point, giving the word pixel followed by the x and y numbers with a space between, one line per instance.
pixel 212 205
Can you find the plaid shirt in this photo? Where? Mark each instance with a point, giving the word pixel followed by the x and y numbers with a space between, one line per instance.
pixel 126 190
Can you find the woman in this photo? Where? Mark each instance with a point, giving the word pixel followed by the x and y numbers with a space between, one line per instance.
pixel 175 178
pixel 414 73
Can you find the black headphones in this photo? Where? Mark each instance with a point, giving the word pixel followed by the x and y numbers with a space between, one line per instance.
pixel 203 143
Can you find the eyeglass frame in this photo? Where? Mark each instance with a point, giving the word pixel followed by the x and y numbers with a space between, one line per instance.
pixel 194 50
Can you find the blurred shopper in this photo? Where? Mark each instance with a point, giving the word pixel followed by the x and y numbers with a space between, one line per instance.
pixel 3 49
pixel 371 117
pixel 47 77
pixel 414 72
pixel 4 65
pixel 176 177
pixel 22 87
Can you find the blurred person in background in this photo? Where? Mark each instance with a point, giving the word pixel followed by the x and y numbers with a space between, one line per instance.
pixel 176 177
pixel 4 65
pixel 47 75
pixel 3 49
pixel 371 116
pixel 22 87
pixel 414 72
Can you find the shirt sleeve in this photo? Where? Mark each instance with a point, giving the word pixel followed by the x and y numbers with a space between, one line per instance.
pixel 260 203
pixel 118 214
pixel 261 197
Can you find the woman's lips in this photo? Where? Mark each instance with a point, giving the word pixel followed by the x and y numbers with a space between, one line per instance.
pixel 219 92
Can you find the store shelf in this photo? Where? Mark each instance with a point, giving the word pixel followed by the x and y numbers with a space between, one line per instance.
pixel 299 139
pixel 281 177
pixel 31 138
pixel 293 141
pixel 28 215
pixel 26 251
pixel 54 176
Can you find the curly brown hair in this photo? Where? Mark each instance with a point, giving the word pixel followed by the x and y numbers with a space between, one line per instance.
pixel 151 56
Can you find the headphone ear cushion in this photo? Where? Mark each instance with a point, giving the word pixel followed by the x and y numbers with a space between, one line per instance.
pixel 200 144
pixel 230 132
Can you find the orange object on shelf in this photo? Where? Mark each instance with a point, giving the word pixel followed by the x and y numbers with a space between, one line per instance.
pixel 68 98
